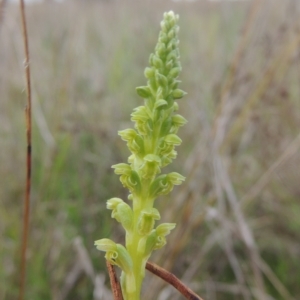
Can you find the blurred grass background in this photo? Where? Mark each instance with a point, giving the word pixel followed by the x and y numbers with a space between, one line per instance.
pixel 238 213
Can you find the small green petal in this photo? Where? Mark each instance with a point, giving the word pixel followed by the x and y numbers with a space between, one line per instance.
pixel 113 203
pixel 152 158
pixel 148 246
pixel 147 220
pixel 121 211
pixel 173 139
pixel 134 181
pixel 157 62
pixel 124 260
pixel 122 168
pixel 178 94
pixel 160 242
pixel 179 120
pixel 163 38
pixel 106 245
pixel 161 232
pixel 175 178
pixel 172 55
pixel 165 228
pixel 127 134
pixel 175 106
pixel 169 65
pixel 174 72
pixel 164 26
pixel 143 91
pixel 161 79
pixel 149 73
pixel 165 127
pixel 160 103
pixel 151 166
pixel 161 49
pixel 140 114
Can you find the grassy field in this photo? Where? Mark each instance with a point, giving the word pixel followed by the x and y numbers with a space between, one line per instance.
pixel 238 213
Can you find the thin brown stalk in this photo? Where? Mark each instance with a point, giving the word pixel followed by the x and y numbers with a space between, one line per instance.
pixel 114 282
pixel 173 280
pixel 26 213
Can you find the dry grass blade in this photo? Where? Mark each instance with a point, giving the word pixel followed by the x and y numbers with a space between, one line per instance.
pixel 173 280
pixel 292 149
pixel 244 228
pixel 275 281
pixel 280 63
pixel 2 6
pixel 229 80
pixel 28 163
pixel 82 265
pixel 228 247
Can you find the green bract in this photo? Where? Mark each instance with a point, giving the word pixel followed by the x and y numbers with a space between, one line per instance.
pixel 152 143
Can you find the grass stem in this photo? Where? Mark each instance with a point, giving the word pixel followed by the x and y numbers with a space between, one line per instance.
pixel 26 213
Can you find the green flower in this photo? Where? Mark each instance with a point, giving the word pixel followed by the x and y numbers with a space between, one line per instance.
pixel 164 184
pixel 121 211
pixel 151 166
pixel 157 238
pixel 147 220
pixel 129 178
pixel 116 254
pixel 152 144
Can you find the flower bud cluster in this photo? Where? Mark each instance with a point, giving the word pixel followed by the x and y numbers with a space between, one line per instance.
pixel 152 143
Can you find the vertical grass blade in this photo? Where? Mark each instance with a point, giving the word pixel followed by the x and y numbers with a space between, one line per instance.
pixel 26 213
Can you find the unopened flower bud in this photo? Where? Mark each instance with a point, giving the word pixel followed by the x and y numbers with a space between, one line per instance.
pixel 178 94
pixel 143 91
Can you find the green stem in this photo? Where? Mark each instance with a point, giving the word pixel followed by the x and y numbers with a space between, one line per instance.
pixel 132 244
